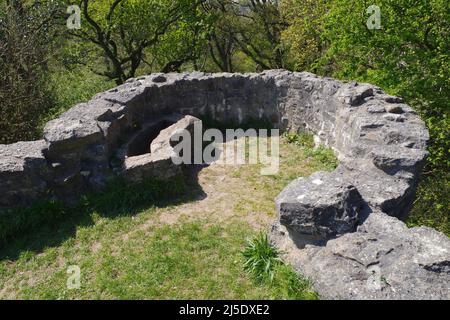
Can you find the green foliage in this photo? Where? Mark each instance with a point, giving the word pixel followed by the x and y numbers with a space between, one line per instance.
pixel 409 57
pixel 321 154
pixel 71 86
pixel 302 139
pixel 263 264
pixel 18 221
pixel 261 259
pixel 160 34
pixel 43 72
pixel 439 159
pixel 302 36
pixel 432 205
pixel 324 156
pixel 185 43
pixel 290 285
pixel 245 36
pixel 25 43
pixel 258 33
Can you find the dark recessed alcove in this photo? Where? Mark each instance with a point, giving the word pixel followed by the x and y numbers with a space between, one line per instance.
pixel 140 143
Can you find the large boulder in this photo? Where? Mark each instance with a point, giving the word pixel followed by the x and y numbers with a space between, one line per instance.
pixel 320 207
pixel 382 260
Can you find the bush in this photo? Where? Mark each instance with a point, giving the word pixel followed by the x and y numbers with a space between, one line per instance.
pixel 432 206
pixel 70 86
pixel 301 139
pixel 26 41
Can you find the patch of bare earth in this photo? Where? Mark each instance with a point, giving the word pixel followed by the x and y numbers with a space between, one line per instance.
pixel 233 192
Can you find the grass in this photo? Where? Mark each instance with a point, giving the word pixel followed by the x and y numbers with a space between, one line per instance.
pixel 183 262
pixel 201 240
pixel 263 263
pixel 141 242
pixel 261 259
pixel 119 199
pixel 323 155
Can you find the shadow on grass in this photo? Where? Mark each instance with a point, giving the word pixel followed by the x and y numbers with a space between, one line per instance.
pixel 50 224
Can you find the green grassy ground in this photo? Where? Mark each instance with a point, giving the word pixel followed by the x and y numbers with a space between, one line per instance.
pixel 134 243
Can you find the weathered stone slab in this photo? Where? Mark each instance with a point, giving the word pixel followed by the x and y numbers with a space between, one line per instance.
pixel 157 162
pixel 355 94
pixel 23 172
pixel 382 260
pixel 322 206
pixel 392 159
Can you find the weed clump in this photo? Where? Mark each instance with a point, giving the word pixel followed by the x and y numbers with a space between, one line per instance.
pixel 263 263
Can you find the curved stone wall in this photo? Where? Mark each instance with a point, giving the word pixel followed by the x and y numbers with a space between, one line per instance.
pixel 376 137
pixel 380 141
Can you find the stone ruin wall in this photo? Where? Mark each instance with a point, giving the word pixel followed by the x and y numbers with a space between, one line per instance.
pixel 75 154
pixel 380 142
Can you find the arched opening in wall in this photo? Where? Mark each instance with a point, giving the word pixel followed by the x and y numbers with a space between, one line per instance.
pixel 140 143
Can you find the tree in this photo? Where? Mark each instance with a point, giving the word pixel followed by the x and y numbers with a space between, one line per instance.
pixel 221 38
pixel 185 43
pixel 302 37
pixel 27 30
pixel 251 27
pixel 126 31
pixel 258 32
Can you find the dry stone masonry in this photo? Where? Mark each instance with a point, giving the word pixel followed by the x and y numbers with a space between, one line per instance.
pixel 342 229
